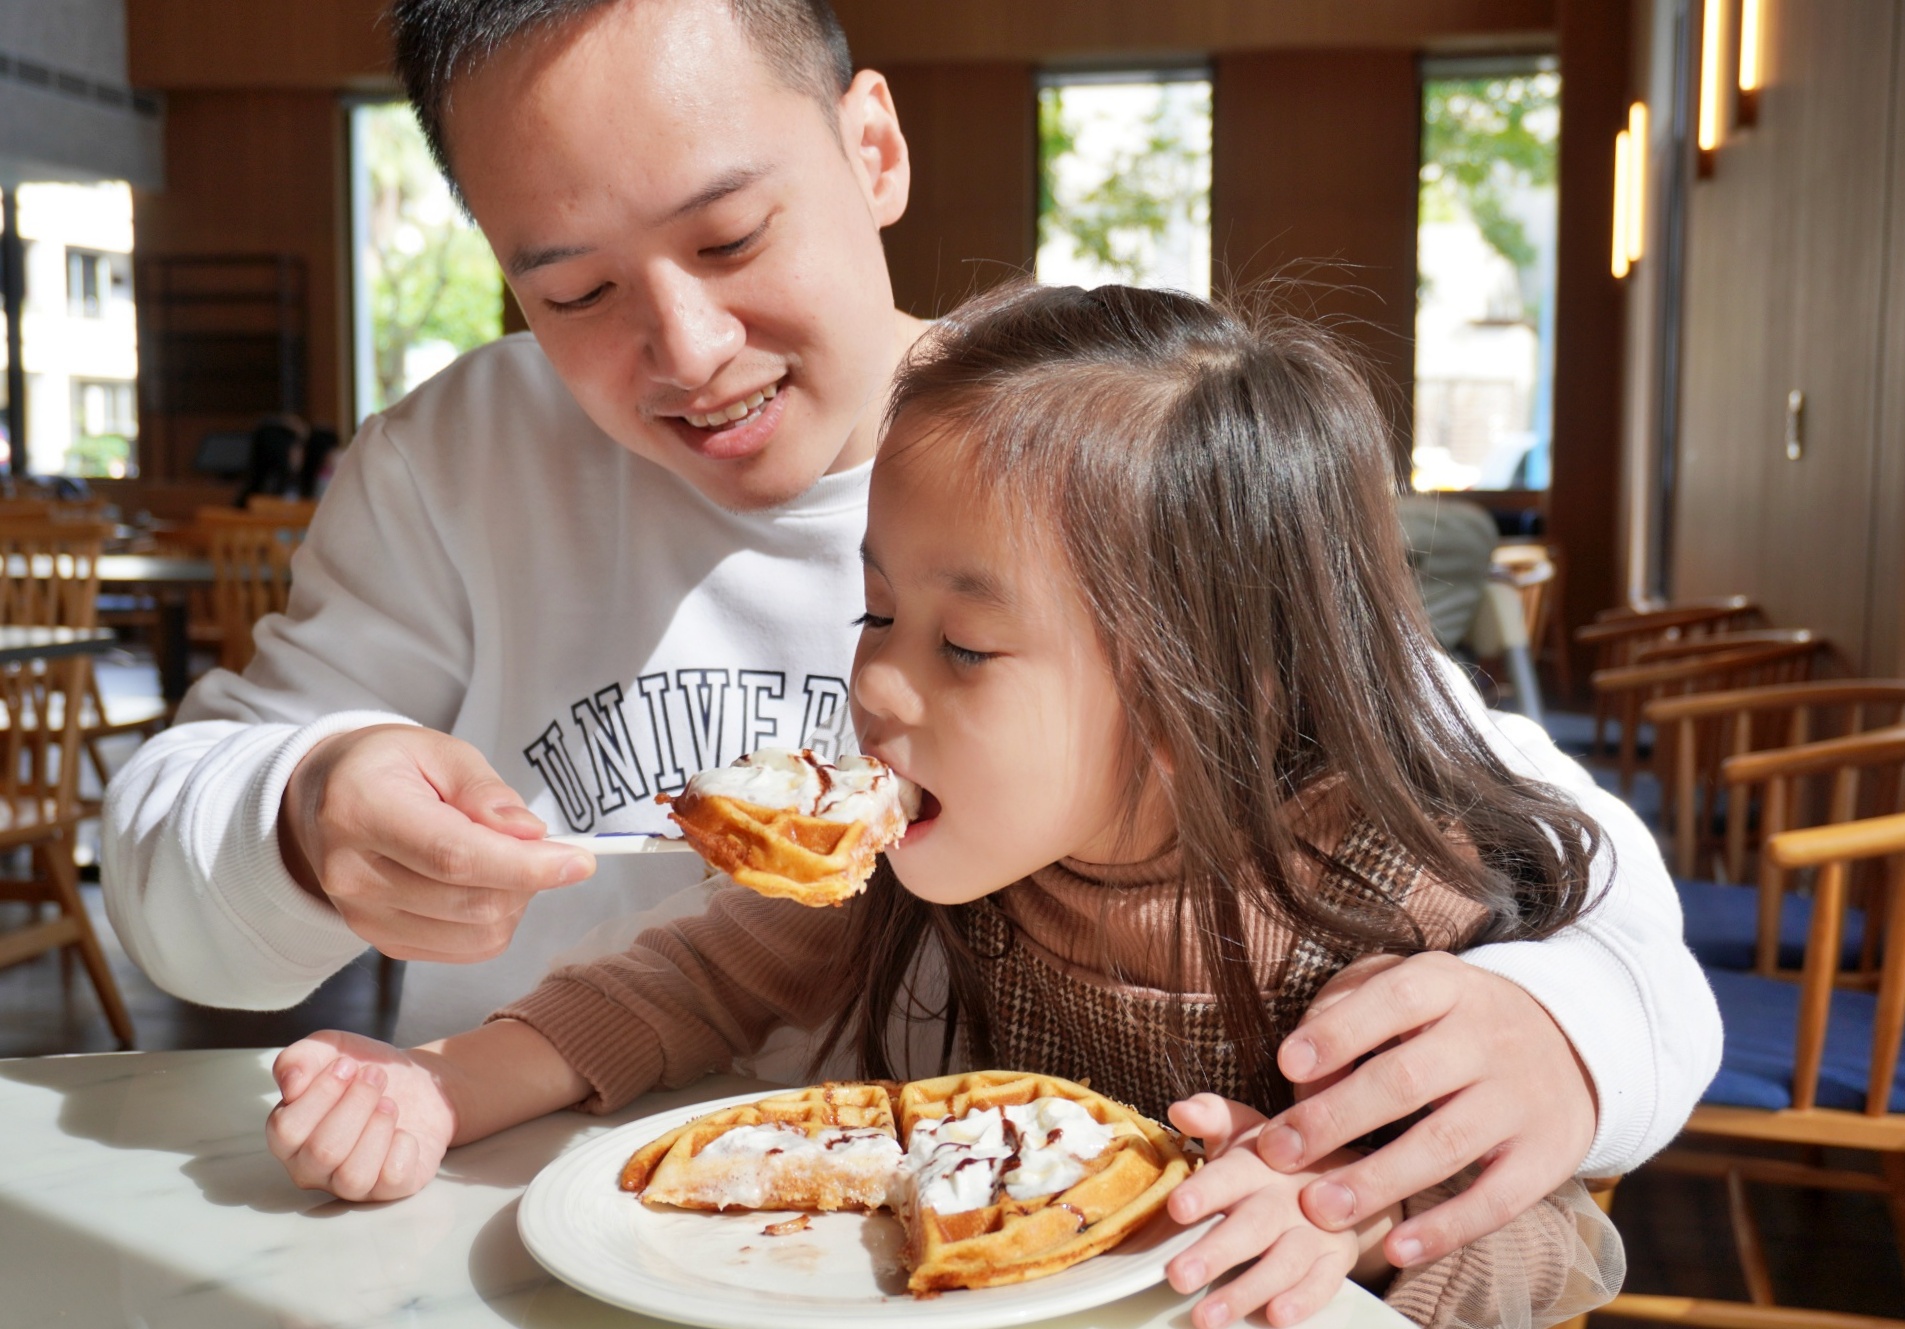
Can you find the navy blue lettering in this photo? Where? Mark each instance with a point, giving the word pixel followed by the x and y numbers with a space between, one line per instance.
pixel 612 758
pixel 550 756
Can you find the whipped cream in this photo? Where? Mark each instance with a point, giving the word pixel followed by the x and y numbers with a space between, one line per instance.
pixel 1028 1150
pixel 956 1163
pixel 775 1138
pixel 758 1156
pixel 1057 1138
pixel 856 788
pixel 950 1165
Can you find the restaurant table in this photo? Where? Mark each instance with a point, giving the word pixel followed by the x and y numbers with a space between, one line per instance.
pixel 169 581
pixel 135 1189
pixel 30 643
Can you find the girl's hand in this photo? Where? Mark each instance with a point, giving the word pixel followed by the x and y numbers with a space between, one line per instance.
pixel 1301 1266
pixel 360 1119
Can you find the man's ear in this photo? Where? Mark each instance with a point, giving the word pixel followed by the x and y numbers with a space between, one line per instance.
pixel 870 133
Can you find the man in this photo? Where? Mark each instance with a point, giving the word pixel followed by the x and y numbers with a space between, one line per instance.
pixel 583 566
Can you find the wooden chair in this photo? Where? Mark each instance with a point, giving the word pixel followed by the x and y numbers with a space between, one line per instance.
pixel 40 810
pixel 1685 648
pixel 1624 690
pixel 1830 782
pixel 1694 734
pixel 1535 572
pixel 1616 634
pixel 251 565
pixel 1811 1065
pixel 52 580
pixel 290 511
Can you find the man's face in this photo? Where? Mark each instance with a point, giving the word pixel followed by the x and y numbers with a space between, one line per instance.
pixel 695 248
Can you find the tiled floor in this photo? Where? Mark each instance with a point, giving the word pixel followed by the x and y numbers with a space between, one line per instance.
pixel 1830 1251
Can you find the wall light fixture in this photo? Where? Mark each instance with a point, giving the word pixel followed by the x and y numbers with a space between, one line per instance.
pixel 1712 31
pixel 1630 191
pixel 1752 20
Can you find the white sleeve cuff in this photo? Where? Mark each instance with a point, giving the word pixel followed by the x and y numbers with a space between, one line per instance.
pixel 1592 996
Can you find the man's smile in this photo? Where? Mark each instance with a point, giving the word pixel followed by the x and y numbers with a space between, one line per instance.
pixel 733 430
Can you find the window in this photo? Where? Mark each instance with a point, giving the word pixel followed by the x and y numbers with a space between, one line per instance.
pixel 105 424
pixel 1485 260
pixel 426 287
pixel 95 280
pixel 81 351
pixel 1124 179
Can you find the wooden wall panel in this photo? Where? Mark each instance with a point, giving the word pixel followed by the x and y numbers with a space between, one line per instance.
pixel 1885 601
pixel 972 133
pixel 332 44
pixel 258 172
pixel 1787 249
pixel 1582 512
pixel 338 43
pixel 1082 29
pixel 1313 177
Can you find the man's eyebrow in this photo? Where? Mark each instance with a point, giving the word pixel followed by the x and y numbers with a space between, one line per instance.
pixel 730 182
pixel 528 260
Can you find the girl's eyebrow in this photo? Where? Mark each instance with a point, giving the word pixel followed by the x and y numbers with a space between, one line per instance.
pixel 967 583
pixel 983 587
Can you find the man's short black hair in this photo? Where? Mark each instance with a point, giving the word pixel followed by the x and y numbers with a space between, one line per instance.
pixel 439 41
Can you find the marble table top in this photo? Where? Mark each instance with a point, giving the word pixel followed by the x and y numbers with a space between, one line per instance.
pixel 135 1189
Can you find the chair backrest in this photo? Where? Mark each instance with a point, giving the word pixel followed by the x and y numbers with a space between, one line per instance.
pixel 251 574
pixel 290 511
pixel 1655 605
pixel 39 744
pixel 1694 735
pixel 1628 688
pixel 1617 638
pixel 1830 782
pixel 49 572
pixel 1833 850
pixel 1684 648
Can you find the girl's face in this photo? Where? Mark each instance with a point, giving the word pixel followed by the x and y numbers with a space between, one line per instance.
pixel 979 677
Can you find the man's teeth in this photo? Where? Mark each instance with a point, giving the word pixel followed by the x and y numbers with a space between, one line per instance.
pixel 739 410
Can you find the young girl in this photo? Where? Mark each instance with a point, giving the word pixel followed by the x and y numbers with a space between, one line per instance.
pixel 1139 622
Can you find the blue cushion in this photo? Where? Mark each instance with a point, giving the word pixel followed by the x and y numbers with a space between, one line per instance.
pixel 1761 1016
pixel 1722 924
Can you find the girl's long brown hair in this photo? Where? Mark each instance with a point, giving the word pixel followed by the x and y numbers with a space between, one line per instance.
pixel 1224 494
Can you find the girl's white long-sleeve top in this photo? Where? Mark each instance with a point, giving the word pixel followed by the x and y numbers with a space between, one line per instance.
pixel 488 563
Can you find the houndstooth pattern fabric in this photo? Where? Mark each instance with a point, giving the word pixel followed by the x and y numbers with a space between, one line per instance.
pixel 1150 1050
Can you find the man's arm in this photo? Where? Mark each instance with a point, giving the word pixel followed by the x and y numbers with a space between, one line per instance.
pixel 378 633
pixel 1585 1052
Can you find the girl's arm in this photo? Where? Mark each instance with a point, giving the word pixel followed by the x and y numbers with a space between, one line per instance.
pixel 367 1121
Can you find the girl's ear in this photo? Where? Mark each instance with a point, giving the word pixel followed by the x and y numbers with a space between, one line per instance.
pixel 870 133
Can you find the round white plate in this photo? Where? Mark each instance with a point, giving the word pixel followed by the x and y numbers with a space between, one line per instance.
pixel 720 1270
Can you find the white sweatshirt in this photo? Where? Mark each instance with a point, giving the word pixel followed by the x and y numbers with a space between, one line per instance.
pixel 490 564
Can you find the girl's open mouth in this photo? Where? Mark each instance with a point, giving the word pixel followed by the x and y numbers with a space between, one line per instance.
pixel 928 812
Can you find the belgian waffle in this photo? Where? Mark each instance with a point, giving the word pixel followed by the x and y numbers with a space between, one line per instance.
pixel 1012 1239
pixel 1003 1177
pixel 788 824
pixel 829 1147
